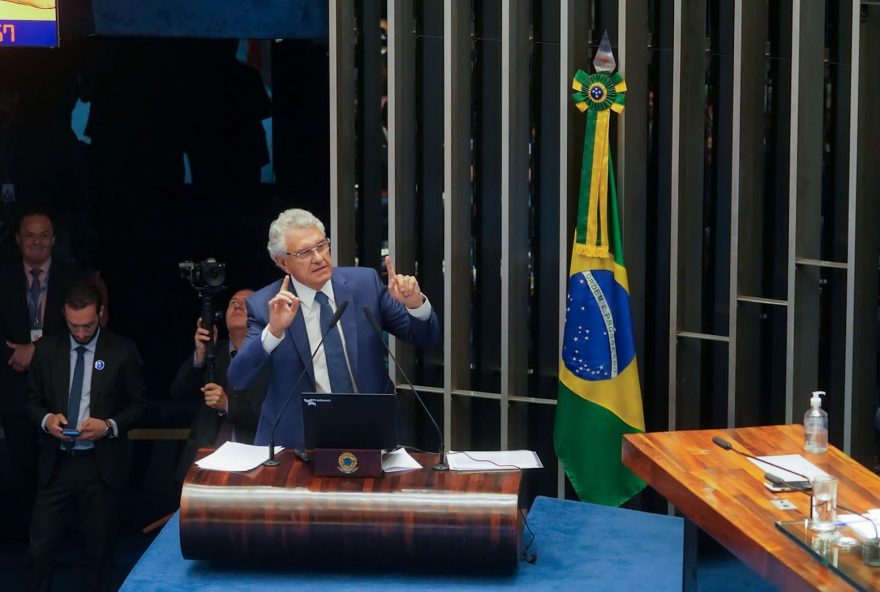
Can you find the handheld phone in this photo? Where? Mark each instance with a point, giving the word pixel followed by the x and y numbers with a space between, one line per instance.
pixel 804 486
pixel 70 432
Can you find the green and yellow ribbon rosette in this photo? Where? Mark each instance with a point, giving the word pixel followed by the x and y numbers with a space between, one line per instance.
pixel 597 95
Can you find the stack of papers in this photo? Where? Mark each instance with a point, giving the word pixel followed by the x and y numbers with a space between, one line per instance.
pixel 493 460
pixel 235 456
pixel 399 460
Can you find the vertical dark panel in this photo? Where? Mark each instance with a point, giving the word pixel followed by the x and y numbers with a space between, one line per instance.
pixel 343 136
pixel 300 85
pixel 717 204
pixel 486 118
pixel 655 360
pixel 458 216
pixel 808 154
pixel 372 207
pixel 632 168
pixel 866 344
pixel 486 239
pixel 691 169
pixel 429 170
pixel 776 153
pixel 753 400
pixel 834 213
pixel 545 200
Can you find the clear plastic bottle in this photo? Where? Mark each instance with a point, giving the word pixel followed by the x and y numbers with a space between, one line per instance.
pixel 816 426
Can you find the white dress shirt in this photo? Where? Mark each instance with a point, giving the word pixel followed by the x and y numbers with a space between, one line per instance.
pixel 311 312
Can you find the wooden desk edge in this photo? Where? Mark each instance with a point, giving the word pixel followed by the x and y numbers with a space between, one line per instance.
pixel 778 573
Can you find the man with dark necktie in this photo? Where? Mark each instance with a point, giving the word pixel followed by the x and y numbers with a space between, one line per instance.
pixel 224 413
pixel 287 319
pixel 31 293
pixel 85 391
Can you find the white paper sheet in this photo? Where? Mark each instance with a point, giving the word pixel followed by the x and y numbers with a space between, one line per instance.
pixel 493 460
pixel 792 462
pixel 399 460
pixel 862 524
pixel 235 456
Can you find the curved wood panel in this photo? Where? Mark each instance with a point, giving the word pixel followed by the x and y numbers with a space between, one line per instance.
pixel 287 514
pixel 723 493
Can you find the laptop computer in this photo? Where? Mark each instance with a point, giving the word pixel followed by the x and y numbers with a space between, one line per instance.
pixel 362 421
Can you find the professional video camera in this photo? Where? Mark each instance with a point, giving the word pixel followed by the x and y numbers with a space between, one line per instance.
pixel 206 278
pixel 207 275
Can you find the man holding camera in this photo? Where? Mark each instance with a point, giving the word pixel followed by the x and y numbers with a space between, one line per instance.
pixel 288 319
pixel 224 413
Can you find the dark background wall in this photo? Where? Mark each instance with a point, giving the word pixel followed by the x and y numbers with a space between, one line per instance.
pixel 169 168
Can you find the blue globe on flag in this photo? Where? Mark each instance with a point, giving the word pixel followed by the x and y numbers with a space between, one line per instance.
pixel 598 340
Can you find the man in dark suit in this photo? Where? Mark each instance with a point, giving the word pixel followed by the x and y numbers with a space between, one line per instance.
pixel 287 319
pixel 224 413
pixel 31 293
pixel 90 381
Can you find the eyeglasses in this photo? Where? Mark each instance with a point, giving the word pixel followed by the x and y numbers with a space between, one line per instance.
pixel 321 248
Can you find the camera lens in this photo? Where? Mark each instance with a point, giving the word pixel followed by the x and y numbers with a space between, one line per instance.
pixel 214 273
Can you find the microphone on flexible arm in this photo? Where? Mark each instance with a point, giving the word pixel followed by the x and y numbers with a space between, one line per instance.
pixel 722 443
pixel 271 461
pixel 440 466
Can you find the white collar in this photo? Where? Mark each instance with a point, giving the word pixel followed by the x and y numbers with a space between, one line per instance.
pixel 306 294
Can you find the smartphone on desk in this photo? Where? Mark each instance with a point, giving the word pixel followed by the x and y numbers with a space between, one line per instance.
pixel 789 486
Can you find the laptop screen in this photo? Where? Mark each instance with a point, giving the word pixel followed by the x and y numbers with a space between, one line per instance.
pixel 350 420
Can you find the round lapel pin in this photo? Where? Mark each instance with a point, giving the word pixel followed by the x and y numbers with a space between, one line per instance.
pixel 99 364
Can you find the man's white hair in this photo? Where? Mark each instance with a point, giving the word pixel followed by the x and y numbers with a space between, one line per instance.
pixel 286 221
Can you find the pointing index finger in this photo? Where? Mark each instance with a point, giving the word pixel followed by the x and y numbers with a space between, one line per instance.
pixel 389 267
pixel 285 283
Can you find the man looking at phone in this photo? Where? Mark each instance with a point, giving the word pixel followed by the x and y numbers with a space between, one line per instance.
pixel 85 390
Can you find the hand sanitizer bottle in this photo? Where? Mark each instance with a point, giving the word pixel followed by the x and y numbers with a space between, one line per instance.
pixel 816 426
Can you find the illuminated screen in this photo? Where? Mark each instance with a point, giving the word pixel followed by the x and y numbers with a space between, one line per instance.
pixel 28 23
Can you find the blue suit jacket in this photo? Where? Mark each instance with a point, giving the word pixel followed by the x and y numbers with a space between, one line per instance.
pixel 360 286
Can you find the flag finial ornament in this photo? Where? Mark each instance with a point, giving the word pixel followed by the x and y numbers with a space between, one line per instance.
pixel 604 58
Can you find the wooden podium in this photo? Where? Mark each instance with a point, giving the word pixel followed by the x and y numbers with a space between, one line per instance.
pixel 289 516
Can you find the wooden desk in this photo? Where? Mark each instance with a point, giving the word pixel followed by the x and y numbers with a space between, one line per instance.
pixel 723 493
pixel 288 515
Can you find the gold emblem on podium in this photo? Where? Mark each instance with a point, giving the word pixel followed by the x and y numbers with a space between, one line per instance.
pixel 347 463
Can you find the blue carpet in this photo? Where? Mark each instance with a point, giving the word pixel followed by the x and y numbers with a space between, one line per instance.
pixel 579 546
pixel 721 571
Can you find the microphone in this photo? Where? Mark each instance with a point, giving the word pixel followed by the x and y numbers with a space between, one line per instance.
pixel 440 466
pixel 271 461
pixel 721 442
pixel 776 480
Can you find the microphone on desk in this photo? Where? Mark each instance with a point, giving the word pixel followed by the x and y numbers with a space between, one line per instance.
pixel 721 442
pixel 271 461
pixel 440 466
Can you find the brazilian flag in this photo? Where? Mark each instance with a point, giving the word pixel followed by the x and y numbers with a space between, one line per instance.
pixel 599 397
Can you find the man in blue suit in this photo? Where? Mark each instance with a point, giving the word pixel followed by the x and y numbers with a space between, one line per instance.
pixel 287 319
